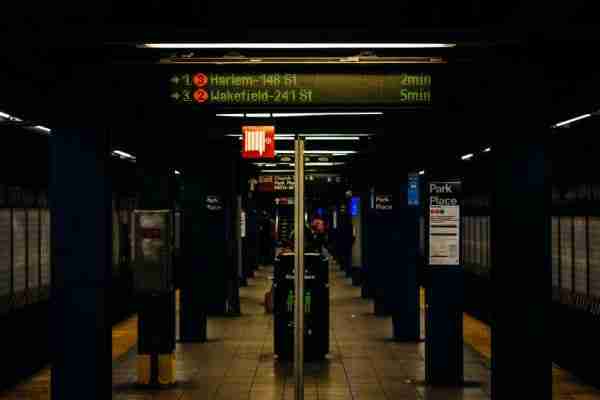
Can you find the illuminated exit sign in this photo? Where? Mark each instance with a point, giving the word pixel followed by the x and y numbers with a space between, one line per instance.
pixel 258 142
pixel 285 87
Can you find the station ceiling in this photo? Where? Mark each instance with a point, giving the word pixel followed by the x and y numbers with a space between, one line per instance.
pixel 79 62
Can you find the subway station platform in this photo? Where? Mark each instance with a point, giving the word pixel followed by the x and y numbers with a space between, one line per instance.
pixel 238 363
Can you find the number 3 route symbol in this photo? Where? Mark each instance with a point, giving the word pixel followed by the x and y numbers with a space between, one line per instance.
pixel 200 80
pixel 200 96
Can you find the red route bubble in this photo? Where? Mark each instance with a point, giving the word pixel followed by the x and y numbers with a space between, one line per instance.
pixel 200 79
pixel 200 96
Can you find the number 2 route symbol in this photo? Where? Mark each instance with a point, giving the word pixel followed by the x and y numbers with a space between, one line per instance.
pixel 200 96
pixel 200 80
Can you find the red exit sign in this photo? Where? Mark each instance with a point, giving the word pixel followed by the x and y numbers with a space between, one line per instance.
pixel 258 142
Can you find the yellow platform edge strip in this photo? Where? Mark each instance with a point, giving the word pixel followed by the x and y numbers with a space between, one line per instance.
pixel 143 369
pixel 166 369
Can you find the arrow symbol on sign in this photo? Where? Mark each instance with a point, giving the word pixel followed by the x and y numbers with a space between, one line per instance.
pixel 175 96
pixel 175 79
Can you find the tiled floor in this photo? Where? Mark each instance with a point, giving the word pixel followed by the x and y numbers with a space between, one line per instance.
pixel 565 386
pixel 238 361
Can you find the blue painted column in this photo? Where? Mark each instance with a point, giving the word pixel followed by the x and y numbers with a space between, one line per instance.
pixel 403 290
pixel 521 269
pixel 193 308
pixel 444 364
pixel 80 196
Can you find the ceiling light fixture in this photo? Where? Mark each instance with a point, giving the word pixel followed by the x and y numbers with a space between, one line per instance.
pixel 334 152
pixel 320 164
pixel 123 155
pixel 9 117
pixel 567 122
pixel 367 59
pixel 354 136
pixel 277 137
pixel 422 172
pixel 43 128
pixel 487 149
pixel 296 46
pixel 326 114
pixel 327 137
pixel 258 115
pixel 467 156
pixel 306 114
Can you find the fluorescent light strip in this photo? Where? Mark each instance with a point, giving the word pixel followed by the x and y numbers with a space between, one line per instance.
pixel 422 172
pixel 324 137
pixel 267 164
pixel 558 125
pixel 487 149
pixel 258 115
pixel 9 117
pixel 276 170
pixel 123 154
pixel 320 164
pixel 312 137
pixel 277 137
pixel 177 172
pixel 334 152
pixel 467 156
pixel 43 128
pixel 323 164
pixel 209 46
pixel 329 114
pixel 287 115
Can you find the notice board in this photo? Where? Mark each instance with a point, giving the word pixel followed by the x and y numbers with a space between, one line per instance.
pixel 444 222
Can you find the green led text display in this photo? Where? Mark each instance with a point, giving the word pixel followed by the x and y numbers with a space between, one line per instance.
pixel 201 88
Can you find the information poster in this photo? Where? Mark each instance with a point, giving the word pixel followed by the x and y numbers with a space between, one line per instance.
pixel 284 183
pixel 444 223
pixel 152 268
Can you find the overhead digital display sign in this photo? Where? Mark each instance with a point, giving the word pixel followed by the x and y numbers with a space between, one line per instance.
pixel 204 88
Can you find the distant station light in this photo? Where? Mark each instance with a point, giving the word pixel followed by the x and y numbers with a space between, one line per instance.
pixel 567 122
pixel 123 155
pixel 9 117
pixel 467 156
pixel 43 129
